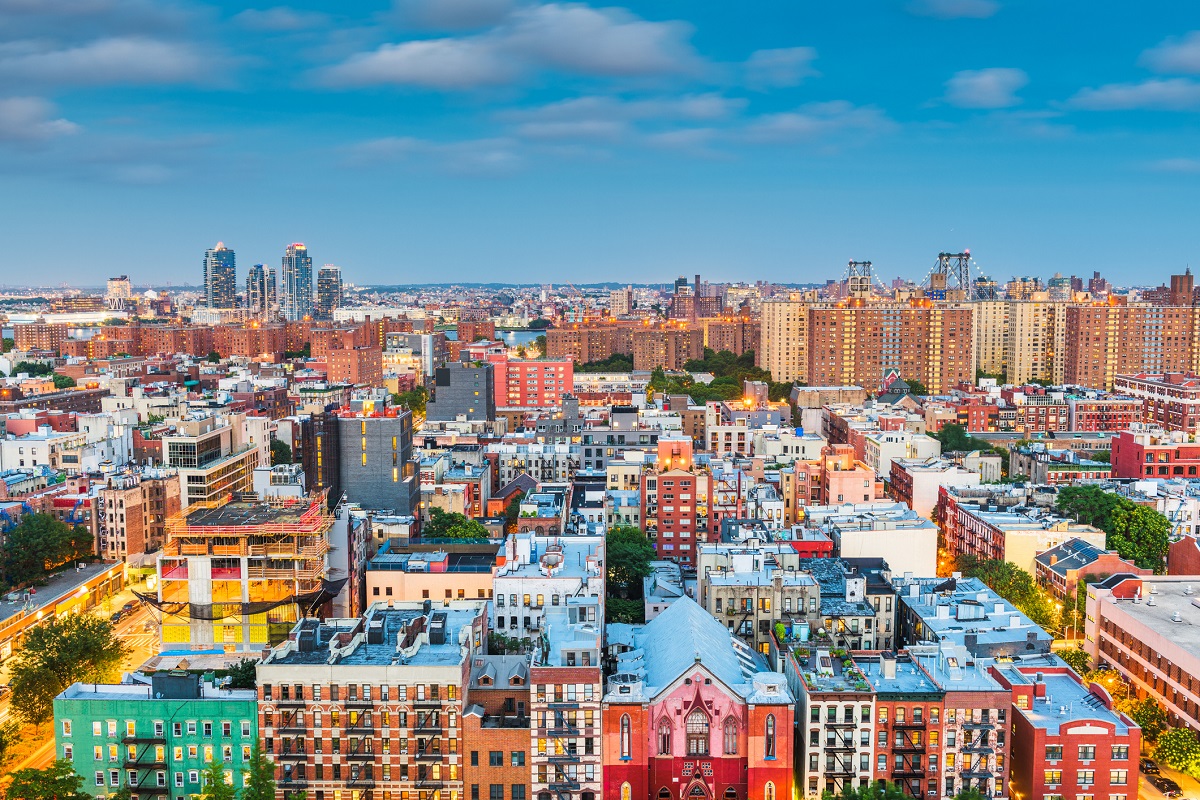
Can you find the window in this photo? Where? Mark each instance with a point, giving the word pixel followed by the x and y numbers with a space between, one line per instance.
pixel 1051 776
pixel 697 733
pixel 664 738
pixel 1054 752
pixel 1087 752
pixel 66 726
pixel 770 737
pixel 518 758
pixel 1087 777
pixel 496 791
pixel 1118 777
pixel 730 737
pixel 496 758
pixel 1120 752
pixel 625 739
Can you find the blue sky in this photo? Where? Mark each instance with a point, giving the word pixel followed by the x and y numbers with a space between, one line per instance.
pixel 439 140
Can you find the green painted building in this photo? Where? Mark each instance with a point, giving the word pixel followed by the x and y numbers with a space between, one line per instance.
pixel 155 734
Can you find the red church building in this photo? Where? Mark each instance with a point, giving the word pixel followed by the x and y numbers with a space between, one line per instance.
pixel 693 713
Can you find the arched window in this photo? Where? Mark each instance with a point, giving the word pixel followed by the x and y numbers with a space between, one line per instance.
pixel 769 791
pixel 697 733
pixel 731 793
pixel 626 791
pixel 770 738
pixel 664 737
pixel 625 739
pixel 730 737
pixel 664 794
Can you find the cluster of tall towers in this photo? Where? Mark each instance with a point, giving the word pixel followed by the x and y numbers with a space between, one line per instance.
pixel 288 293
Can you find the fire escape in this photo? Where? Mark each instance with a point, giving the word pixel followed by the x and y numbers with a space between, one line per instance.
pixel 976 753
pixel 293 746
pixel 908 754
pixel 564 758
pixel 146 757
pixel 840 752
pixel 429 776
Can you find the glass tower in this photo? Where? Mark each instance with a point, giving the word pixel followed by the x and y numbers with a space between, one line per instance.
pixel 220 277
pixel 296 291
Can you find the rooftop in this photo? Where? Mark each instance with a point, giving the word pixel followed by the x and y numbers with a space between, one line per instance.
pixel 1066 700
pixel 966 611
pixel 1162 598
pixel 402 634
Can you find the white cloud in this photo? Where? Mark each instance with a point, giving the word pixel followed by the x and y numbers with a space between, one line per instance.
pixel 985 88
pixel 603 129
pixel 564 37
pixel 31 119
pixel 783 67
pixel 453 15
pixel 611 42
pixel 816 121
pixel 470 157
pixel 689 107
pixel 1173 94
pixel 280 18
pixel 953 9
pixel 130 59
pixel 1175 55
pixel 429 63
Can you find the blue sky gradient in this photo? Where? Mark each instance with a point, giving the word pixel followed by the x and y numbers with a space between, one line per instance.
pixel 478 140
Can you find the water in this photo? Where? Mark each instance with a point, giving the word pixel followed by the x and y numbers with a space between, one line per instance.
pixel 510 338
pixel 6 333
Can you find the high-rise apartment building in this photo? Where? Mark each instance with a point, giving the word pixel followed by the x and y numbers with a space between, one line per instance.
pixel 785 338
pixel 620 302
pixel 256 291
pixel 220 277
pixel 119 294
pixel 329 291
pixel 1103 341
pixel 296 291
pixel 374 458
pixel 134 508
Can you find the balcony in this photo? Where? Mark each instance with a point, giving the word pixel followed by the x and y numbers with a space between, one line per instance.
pixel 829 723
pixel 361 702
pixel 909 747
pixel 842 746
pixel 428 728
pixel 846 770
pixel 361 755
pixel 564 758
pixel 287 701
pixel 361 781
pixel 979 726
pixel 562 704
pixel 908 772
pixel 563 730
pixel 139 764
pixel 564 785
pixel 909 723
pixel 428 755
pixel 293 755
pixel 977 772
pixel 428 702
pixel 290 780
pixel 292 729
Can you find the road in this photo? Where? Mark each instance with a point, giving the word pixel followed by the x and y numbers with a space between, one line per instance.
pixel 142 643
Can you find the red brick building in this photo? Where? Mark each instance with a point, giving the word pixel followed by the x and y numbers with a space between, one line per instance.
pixel 1103 413
pixel 360 366
pixel 473 330
pixel 692 712
pixel 496 728
pixel 1154 453
pixel 675 512
pixel 1067 740
pixel 1169 400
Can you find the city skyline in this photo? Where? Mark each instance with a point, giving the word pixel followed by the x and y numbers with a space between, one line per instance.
pixel 489 137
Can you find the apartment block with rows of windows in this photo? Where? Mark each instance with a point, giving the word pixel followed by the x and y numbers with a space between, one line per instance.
pixel 1068 740
pixel 155 735
pixel 371 706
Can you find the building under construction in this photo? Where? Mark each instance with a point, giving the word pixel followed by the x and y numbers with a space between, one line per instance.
pixel 238 575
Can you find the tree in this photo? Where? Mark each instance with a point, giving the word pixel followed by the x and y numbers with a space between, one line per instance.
pixel 281 452
pixel 970 794
pixel 57 653
pixel 62 381
pixel 413 399
pixel 56 782
pixel 10 734
pixel 1013 584
pixel 916 387
pixel 39 544
pixel 1103 456
pixel 214 357
pixel 1178 749
pixel 617 609
pixel 540 344
pixel 259 783
pixel 539 324
pixel 1112 681
pixel 244 674
pixel 872 791
pixel 627 555
pixel 617 362
pixel 7 344
pixel 1148 714
pixel 1076 658
pixel 1138 533
pixel 511 512
pixel 452 525
pixel 213 781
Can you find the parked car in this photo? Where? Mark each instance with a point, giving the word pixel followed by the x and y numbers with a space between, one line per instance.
pixel 1148 767
pixel 130 606
pixel 116 617
pixel 1168 787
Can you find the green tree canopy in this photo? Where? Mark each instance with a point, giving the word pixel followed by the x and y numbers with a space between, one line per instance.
pixel 214 785
pixel 1149 714
pixel 617 362
pixel 281 452
pixel 1138 533
pixel 214 357
pixel 872 791
pixel 1179 749
pixel 39 544
pixel 260 776
pixel 57 653
pixel 413 399
pixel 452 525
pixel 1076 658
pixel 244 674
pixel 56 782
pixel 627 556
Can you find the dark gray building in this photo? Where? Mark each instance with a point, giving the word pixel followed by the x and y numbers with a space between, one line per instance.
pixel 462 389
pixel 220 277
pixel 375 466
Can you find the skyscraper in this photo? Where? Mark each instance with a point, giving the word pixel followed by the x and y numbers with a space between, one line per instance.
pixel 220 277
pixel 256 290
pixel 296 293
pixel 329 291
pixel 272 292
